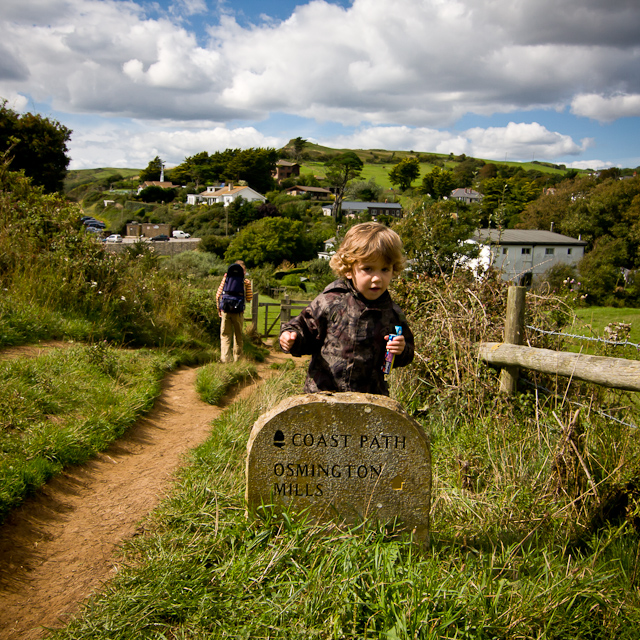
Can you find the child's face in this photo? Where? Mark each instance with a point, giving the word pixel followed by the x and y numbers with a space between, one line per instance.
pixel 371 277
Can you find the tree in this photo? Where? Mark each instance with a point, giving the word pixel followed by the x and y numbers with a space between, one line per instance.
pixel 200 168
pixel 153 193
pixel 340 170
pixel 36 145
pixel 153 171
pixel 405 172
pixel 464 173
pixel 369 191
pixel 504 200
pixel 255 166
pixel 601 272
pixel 434 235
pixel 298 147
pixel 438 183
pixel 242 212
pixel 270 240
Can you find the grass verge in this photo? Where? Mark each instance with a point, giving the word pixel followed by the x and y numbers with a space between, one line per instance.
pixel 63 407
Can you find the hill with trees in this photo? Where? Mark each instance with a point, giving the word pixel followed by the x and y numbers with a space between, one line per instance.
pixel 601 208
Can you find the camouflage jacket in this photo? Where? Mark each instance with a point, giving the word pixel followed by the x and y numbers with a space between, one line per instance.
pixel 344 333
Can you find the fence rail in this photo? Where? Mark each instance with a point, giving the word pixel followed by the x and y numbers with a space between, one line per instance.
pixel 617 373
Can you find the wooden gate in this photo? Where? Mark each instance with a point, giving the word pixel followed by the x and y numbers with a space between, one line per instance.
pixel 275 314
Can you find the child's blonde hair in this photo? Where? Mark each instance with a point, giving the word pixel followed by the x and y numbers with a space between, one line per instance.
pixel 366 241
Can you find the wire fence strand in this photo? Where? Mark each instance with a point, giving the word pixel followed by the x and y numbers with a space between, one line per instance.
pixel 615 343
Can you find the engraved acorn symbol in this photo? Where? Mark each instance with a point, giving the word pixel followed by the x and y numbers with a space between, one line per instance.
pixel 278 439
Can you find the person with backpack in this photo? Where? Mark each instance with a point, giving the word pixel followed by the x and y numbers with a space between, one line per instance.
pixel 233 294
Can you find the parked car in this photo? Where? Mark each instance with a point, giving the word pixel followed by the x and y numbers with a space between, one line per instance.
pixel 180 234
pixel 94 230
pixel 114 237
pixel 95 223
pixel 161 238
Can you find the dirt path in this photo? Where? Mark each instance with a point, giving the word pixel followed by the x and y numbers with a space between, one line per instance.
pixel 59 547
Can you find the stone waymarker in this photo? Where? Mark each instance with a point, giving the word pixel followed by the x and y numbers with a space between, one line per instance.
pixel 344 455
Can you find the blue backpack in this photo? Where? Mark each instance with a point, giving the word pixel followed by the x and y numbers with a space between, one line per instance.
pixel 232 298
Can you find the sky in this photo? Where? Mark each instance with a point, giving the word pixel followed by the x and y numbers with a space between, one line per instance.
pixel 519 80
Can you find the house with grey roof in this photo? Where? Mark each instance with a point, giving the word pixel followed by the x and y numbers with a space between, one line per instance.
pixel 466 195
pixel 374 209
pixel 522 255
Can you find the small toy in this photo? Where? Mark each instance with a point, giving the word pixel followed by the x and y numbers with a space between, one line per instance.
pixel 389 357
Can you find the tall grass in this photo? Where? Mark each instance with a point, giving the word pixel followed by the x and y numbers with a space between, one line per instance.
pixel 504 561
pixel 57 281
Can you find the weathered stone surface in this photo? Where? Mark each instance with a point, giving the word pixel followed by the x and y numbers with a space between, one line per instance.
pixel 345 455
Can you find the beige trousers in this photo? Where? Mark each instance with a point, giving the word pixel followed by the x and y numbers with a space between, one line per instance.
pixel 231 327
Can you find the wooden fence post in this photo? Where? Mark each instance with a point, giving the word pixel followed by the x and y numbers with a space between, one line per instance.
pixel 513 334
pixel 255 306
pixel 285 310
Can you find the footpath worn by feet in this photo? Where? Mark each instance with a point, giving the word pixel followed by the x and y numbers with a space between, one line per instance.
pixel 61 545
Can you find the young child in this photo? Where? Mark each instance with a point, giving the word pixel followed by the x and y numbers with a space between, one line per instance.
pixel 346 328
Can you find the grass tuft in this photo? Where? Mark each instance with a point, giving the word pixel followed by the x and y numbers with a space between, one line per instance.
pixel 214 380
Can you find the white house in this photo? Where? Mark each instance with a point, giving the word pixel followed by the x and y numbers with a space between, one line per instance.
pixel 329 249
pixel 466 195
pixel 225 195
pixel 524 254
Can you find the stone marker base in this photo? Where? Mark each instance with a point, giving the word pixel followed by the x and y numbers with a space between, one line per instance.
pixel 345 456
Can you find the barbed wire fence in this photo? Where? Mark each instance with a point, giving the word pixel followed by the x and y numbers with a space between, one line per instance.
pixel 616 343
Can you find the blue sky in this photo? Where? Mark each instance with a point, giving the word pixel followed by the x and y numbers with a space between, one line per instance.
pixel 501 79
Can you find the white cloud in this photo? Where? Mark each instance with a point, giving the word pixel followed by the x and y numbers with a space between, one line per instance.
pixel 401 70
pixel 516 141
pixel 606 109
pixel 596 165
pixel 418 62
pixel 100 145
pixel 520 141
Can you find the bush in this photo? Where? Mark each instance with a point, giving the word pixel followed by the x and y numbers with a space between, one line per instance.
pixel 67 279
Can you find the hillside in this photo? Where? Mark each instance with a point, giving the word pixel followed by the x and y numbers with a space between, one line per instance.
pixel 377 164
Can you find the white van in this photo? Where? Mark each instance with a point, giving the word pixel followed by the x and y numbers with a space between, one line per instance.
pixel 180 234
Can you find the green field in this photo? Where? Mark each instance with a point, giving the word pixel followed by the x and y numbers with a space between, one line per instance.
pixel 593 320
pixel 268 315
pixel 377 172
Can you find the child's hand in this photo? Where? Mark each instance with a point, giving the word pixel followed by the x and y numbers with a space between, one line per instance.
pixel 287 338
pixel 397 345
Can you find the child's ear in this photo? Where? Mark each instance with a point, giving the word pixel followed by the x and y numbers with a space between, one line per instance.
pixel 348 275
